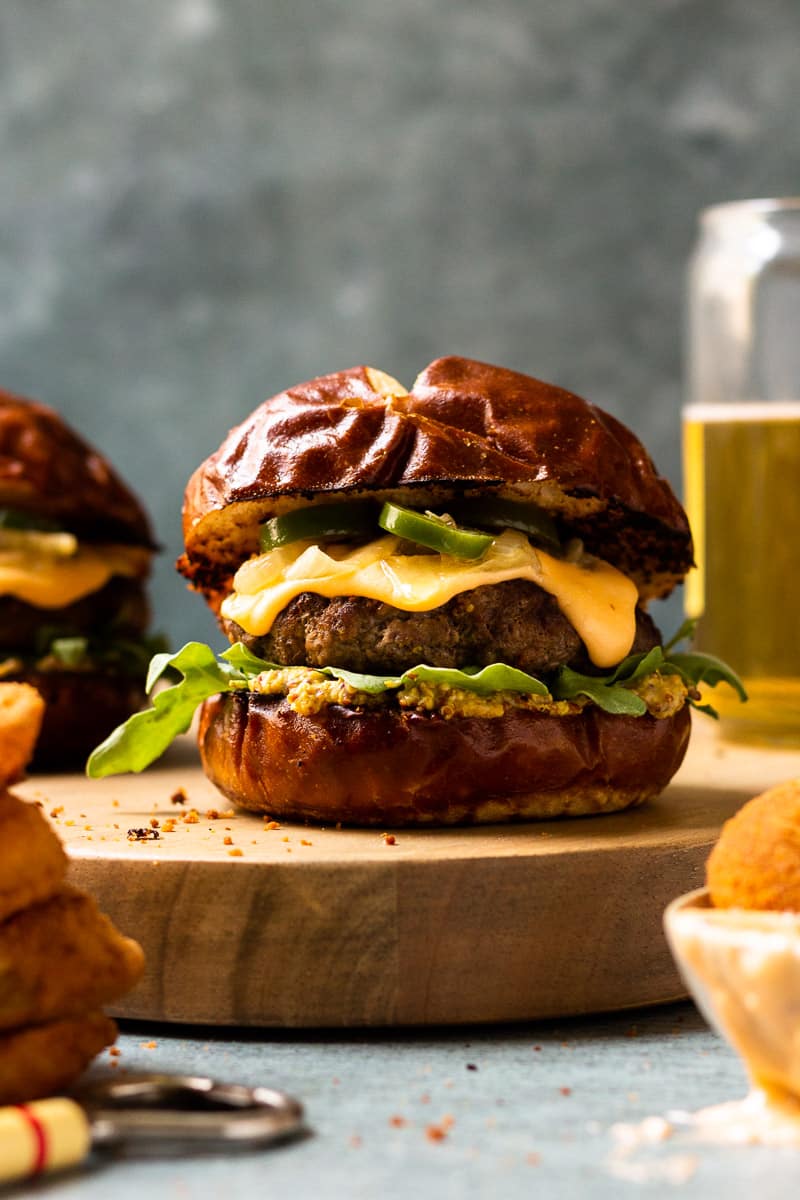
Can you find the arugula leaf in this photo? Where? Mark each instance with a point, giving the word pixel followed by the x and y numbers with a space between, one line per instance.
pixel 602 689
pixel 146 735
pixel 495 678
pixel 706 668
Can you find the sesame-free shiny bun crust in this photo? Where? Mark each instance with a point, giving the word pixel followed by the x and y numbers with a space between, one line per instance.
pixel 393 768
pixel 48 470
pixel 466 428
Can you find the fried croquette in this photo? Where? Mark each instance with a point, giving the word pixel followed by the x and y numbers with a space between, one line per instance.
pixel 756 861
pixel 21 713
pixel 32 860
pixel 42 1059
pixel 62 958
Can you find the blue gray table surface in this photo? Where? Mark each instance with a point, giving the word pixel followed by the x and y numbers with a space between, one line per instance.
pixel 525 1110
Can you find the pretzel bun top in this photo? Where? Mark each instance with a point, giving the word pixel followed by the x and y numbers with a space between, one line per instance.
pixel 467 428
pixel 48 470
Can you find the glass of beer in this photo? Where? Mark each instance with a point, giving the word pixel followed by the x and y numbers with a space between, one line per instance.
pixel 741 449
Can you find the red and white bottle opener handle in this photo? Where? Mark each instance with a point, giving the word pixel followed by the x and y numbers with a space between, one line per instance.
pixel 43 1136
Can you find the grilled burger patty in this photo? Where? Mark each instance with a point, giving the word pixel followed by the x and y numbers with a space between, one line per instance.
pixel 121 604
pixel 514 622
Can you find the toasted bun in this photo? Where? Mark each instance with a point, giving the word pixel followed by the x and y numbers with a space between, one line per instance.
pixel 47 470
pixel 393 768
pixel 466 427
pixel 81 709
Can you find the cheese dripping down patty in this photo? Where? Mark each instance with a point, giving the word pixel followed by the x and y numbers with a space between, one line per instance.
pixel 597 599
pixel 54 570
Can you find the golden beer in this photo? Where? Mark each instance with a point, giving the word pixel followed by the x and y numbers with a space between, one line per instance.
pixel 742 490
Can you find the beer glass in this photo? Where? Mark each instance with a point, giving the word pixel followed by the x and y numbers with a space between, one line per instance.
pixel 741 451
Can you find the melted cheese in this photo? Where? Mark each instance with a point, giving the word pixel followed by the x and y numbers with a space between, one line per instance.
pixel 597 599
pixel 53 580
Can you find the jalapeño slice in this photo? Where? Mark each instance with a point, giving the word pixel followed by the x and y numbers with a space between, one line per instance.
pixel 428 530
pixel 319 522
pixel 494 512
pixel 15 518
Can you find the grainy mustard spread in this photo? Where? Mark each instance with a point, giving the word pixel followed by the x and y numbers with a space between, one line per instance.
pixel 308 691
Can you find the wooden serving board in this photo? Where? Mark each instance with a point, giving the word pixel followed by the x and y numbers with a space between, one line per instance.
pixel 305 927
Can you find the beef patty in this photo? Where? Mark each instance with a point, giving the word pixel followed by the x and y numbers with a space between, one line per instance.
pixel 514 622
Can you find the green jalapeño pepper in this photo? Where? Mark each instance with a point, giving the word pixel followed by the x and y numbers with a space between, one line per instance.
pixel 319 522
pixel 426 529
pixel 14 518
pixel 494 512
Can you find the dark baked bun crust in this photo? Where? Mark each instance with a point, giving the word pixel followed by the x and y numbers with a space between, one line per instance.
pixel 47 470
pixel 393 768
pixel 466 428
pixel 81 709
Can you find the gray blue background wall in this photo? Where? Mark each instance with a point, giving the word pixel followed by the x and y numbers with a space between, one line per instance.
pixel 204 201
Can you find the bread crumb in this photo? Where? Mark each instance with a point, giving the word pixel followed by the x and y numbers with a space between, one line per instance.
pixel 227 840
pixel 272 825
pixel 191 817
pixel 236 852
pixel 397 1122
pixel 148 1045
pixel 178 796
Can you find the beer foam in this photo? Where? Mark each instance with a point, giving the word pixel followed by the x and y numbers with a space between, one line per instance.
pixel 745 410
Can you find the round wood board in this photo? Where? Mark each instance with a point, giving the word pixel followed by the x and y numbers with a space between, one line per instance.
pixel 305 927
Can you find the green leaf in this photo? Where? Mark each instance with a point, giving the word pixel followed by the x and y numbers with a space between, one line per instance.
pixel 373 685
pixel 682 634
pixel 69 650
pixel 146 735
pixel 610 696
pixel 705 668
pixel 242 659
pixel 495 678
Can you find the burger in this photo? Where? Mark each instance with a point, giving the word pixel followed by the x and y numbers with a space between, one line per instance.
pixel 436 603
pixel 75 551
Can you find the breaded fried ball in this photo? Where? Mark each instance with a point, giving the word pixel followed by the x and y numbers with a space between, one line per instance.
pixel 21 713
pixel 42 1059
pixel 756 862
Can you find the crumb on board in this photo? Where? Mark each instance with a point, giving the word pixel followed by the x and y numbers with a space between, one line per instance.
pixel 192 817
pixel 227 840
pixel 143 835
pixel 438 1132
pixel 178 796
pixel 148 1045
pixel 236 852
pixel 397 1122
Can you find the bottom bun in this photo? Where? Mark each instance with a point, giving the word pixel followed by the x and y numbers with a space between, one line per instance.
pixel 81 709
pixel 388 767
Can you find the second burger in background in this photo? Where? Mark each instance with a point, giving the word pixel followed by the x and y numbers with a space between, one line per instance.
pixel 75 552
pixel 437 601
